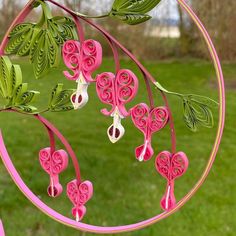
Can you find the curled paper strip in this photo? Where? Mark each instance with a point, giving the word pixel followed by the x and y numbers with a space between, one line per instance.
pixel 171 167
pixel 148 121
pixel 79 195
pixel 54 164
pixel 116 90
pixel 82 59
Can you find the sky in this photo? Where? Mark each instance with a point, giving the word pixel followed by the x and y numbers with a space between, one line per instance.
pixel 166 9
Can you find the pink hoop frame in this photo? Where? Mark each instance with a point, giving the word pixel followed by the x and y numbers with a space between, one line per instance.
pixel 111 230
pixel 2 233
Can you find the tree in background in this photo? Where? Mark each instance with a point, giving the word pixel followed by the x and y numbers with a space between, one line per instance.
pixel 73 4
pixel 219 17
pixel 186 39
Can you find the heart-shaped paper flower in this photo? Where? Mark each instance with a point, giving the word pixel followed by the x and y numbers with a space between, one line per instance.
pixel 148 121
pixel 79 194
pixel 53 163
pixel 82 59
pixel 117 90
pixel 171 167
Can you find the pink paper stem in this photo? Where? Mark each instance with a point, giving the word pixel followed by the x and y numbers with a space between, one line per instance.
pixel 115 54
pixel 147 75
pixel 52 140
pixel 52 130
pixel 79 29
pixel 52 213
pixel 64 142
pixel 113 47
pixel 171 123
pixel 114 42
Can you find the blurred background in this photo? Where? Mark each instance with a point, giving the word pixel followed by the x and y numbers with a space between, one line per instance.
pixel 169 34
pixel 172 49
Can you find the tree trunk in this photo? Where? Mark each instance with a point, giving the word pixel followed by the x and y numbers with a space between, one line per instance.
pixel 186 35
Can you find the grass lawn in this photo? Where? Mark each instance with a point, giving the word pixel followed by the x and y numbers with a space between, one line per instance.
pixel 125 191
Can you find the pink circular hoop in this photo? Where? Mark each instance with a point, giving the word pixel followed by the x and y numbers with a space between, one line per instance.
pixel 2 233
pixel 119 229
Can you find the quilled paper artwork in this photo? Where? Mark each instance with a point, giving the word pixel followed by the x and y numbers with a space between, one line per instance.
pixel 61 38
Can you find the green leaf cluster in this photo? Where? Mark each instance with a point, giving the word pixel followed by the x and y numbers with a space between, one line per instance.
pixel 197 109
pixel 14 92
pixel 197 112
pixel 42 41
pixel 133 12
pixel 61 99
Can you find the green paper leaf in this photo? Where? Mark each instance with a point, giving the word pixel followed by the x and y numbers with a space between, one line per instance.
pixel 17 96
pixel 197 112
pixel 58 88
pixel 42 41
pixel 44 53
pixel 21 38
pixel 204 100
pixel 61 99
pixel 28 97
pixel 26 109
pixel 197 109
pixel 134 6
pixel 22 88
pixel 15 78
pixel 14 92
pixel 5 67
pixel 24 49
pixel 133 19
pixel 133 12
pixel 62 29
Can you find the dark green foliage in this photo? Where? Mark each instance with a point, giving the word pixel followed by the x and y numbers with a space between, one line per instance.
pixel 60 99
pixel 133 12
pixel 15 93
pixel 197 109
pixel 197 112
pixel 41 41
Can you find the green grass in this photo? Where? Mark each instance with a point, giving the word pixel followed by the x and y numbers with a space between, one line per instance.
pixel 125 191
